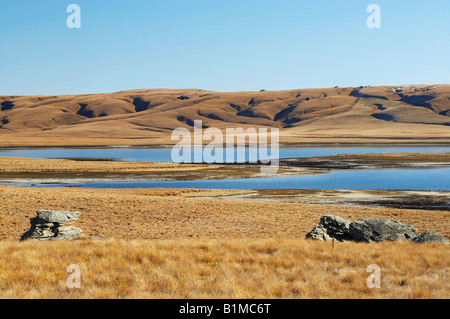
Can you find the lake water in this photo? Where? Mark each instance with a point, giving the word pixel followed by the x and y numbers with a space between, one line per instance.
pixel 394 179
pixel 164 154
pixel 404 179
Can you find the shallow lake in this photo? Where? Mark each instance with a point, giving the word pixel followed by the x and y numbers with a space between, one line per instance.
pixel 394 179
pixel 164 154
pixel 404 179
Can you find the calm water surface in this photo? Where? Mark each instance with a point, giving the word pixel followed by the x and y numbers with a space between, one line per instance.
pixel 395 179
pixel 406 179
pixel 164 154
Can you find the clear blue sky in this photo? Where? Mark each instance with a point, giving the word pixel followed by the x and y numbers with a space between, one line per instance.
pixel 226 45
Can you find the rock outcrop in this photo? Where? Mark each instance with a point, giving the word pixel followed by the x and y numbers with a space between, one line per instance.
pixel 430 236
pixel 370 230
pixel 330 227
pixel 376 230
pixel 53 225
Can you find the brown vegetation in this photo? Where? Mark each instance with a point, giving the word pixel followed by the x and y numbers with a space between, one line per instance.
pixel 223 268
pixel 28 168
pixel 183 213
pixel 147 117
pixel 174 243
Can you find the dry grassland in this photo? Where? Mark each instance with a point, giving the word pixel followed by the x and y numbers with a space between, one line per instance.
pixel 166 243
pixel 183 213
pixel 223 268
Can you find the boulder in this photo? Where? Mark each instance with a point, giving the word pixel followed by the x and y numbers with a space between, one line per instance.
pixel 330 227
pixel 57 216
pixel 375 230
pixel 430 236
pixel 53 225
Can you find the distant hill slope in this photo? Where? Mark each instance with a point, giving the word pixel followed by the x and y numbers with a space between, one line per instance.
pixel 413 111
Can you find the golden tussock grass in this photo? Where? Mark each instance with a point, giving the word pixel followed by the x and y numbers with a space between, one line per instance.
pixel 183 213
pixel 223 268
pixel 239 250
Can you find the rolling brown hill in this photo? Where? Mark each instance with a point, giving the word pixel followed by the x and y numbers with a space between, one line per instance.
pixel 362 114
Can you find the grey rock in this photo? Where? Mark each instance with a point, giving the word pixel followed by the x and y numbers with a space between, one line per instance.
pixel 376 230
pixel 57 216
pixel 68 233
pixel 53 225
pixel 330 227
pixel 431 236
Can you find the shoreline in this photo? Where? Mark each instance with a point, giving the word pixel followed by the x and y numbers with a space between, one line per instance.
pixel 18 168
pixel 188 213
pixel 28 173
pixel 401 199
pixel 373 161
pixel 400 143
pixel 100 170
pixel 166 142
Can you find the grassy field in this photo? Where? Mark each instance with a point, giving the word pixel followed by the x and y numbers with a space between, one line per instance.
pixel 188 243
pixel 165 243
pixel 222 268
pixel 187 213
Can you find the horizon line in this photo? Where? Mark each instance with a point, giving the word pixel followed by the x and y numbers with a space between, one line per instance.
pixel 231 91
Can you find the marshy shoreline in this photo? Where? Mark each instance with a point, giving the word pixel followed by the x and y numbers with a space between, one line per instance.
pixel 41 172
pixel 96 168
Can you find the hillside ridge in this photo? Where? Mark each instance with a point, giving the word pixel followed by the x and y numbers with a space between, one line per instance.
pixel 408 111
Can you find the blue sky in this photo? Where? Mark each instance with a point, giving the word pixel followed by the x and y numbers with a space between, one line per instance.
pixel 226 45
